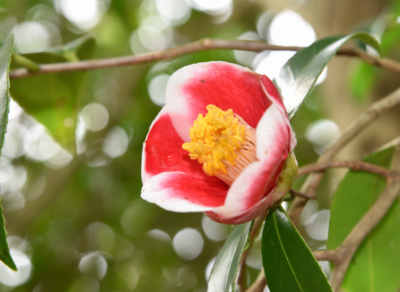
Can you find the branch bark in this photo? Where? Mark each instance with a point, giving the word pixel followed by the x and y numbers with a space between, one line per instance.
pixel 259 284
pixel 354 165
pixel 197 46
pixel 376 110
pixel 253 235
pixel 295 193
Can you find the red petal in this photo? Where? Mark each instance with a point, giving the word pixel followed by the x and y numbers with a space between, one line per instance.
pixel 180 192
pixel 162 152
pixel 228 86
pixel 259 178
pixel 273 94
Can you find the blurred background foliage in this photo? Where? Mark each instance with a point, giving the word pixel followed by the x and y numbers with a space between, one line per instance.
pixel 70 170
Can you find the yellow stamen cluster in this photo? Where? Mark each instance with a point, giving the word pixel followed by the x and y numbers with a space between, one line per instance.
pixel 218 141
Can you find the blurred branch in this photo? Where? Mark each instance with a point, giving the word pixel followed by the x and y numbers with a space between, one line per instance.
pixel 295 193
pixel 197 46
pixel 354 165
pixel 326 255
pixel 259 284
pixel 25 62
pixel 253 235
pixel 376 110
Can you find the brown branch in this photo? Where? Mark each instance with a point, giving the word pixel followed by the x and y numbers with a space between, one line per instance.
pixel 373 113
pixel 197 46
pixel 259 284
pixel 385 63
pixel 354 165
pixel 253 235
pixel 326 255
pixel 374 215
pixel 300 194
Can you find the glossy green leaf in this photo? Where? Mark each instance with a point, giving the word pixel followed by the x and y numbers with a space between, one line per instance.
pixel 223 275
pixel 53 99
pixel 297 77
pixel 288 262
pixel 368 271
pixel 5 59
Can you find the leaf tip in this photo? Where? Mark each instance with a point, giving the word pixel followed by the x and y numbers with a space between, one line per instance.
pixel 6 258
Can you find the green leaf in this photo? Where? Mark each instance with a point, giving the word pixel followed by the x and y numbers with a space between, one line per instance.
pixel 297 77
pixel 52 99
pixel 223 275
pixel 5 59
pixel 355 195
pixel 288 262
pixel 70 50
pixel 362 80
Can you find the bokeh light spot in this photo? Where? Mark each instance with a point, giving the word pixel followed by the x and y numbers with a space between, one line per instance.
pixel 213 230
pixel 116 142
pixel 188 243
pixel 157 87
pixel 31 37
pixel 12 279
pixel 95 116
pixel 93 264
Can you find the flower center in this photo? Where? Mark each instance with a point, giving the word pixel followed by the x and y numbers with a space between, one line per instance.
pixel 223 142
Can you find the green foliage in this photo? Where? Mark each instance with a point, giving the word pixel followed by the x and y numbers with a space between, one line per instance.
pixel 82 209
pixel 289 264
pixel 297 77
pixel 5 59
pixel 223 275
pixel 362 81
pixel 55 104
pixel 355 195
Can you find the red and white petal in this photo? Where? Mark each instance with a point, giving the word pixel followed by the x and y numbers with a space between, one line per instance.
pixel 259 178
pixel 145 174
pixel 227 86
pixel 273 94
pixel 162 152
pixel 273 135
pixel 180 192
pixel 251 213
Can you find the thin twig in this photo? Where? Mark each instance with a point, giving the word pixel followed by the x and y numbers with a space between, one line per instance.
pixel 376 110
pixel 197 46
pixel 259 284
pixel 354 165
pixel 253 235
pixel 326 255
pixel 374 215
pixel 300 194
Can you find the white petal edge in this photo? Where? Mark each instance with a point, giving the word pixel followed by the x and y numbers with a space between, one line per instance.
pixel 153 192
pixel 272 133
pixel 177 102
pixel 267 132
pixel 293 141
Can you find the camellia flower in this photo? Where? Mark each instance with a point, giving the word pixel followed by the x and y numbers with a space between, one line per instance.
pixel 221 145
